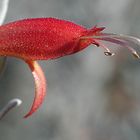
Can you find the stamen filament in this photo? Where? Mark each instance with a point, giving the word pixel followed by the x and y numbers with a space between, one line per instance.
pixel 107 50
pixel 122 40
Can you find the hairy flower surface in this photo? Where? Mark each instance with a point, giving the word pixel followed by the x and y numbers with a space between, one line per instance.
pixel 51 38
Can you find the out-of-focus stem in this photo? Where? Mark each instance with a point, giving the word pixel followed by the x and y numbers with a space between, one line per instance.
pixel 3 10
pixel 9 106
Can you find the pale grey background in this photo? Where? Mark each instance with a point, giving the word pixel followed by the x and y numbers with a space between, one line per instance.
pixel 90 96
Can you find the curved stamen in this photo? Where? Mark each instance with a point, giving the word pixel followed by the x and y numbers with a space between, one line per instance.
pixel 123 44
pixel 107 50
pixel 122 40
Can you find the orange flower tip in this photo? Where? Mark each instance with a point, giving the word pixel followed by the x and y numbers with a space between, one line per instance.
pixel 27 115
pixel 40 86
pixel 34 108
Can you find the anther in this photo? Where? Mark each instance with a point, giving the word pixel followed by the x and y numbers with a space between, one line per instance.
pixel 135 54
pixel 109 53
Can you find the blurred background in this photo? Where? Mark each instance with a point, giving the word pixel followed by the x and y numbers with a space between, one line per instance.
pixel 90 96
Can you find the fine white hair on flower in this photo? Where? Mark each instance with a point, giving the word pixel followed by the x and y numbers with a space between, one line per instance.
pixel 3 10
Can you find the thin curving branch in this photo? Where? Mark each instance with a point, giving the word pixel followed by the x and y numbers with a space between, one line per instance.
pixel 9 106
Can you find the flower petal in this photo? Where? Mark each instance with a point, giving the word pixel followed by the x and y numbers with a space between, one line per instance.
pixel 40 86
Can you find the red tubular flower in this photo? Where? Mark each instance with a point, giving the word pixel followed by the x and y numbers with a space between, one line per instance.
pixel 50 38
